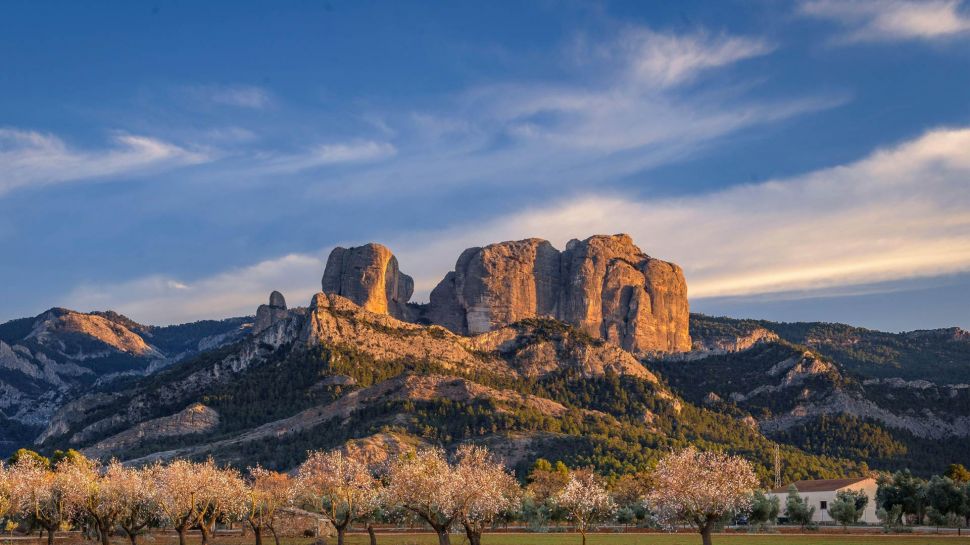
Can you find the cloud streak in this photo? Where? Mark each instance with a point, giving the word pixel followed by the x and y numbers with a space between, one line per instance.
pixel 888 20
pixel 901 212
pixel 29 158
pixel 239 96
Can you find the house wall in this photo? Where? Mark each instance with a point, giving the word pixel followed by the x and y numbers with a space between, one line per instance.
pixel 815 500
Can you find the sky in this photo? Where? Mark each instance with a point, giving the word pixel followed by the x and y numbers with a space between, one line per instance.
pixel 175 161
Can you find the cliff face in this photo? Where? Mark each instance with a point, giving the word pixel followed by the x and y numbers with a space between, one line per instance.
pixel 267 315
pixel 369 276
pixel 604 285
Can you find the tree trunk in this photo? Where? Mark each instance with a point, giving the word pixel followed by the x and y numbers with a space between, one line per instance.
pixel 706 532
pixel 208 531
pixel 340 534
pixel 105 535
pixel 133 538
pixel 181 532
pixel 583 533
pixel 474 536
pixel 443 538
pixel 276 537
pixel 258 533
pixel 372 534
pixel 50 537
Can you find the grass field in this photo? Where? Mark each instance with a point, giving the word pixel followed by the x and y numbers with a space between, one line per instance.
pixel 664 539
pixel 601 539
pixel 563 539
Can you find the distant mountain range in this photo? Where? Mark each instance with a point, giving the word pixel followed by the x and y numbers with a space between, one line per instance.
pixel 587 355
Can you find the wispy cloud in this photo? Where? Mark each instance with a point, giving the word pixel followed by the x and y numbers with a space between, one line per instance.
pixel 901 212
pixel 29 158
pixel 326 155
pixel 887 20
pixel 161 299
pixel 240 96
pixel 622 108
pixel 667 59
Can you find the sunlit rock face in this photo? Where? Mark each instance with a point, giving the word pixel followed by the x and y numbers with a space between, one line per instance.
pixel 267 315
pixel 604 285
pixel 369 276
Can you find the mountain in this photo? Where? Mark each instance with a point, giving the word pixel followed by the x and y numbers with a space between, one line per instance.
pixel 51 358
pixel 576 355
pixel 604 285
pixel 867 395
pixel 335 374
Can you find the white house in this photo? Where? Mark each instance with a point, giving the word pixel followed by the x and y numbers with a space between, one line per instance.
pixel 820 493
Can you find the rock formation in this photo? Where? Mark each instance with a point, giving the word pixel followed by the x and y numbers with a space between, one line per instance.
pixel 267 315
pixel 603 285
pixel 369 276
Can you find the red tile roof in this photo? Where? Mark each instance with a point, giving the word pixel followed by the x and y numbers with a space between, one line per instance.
pixel 820 485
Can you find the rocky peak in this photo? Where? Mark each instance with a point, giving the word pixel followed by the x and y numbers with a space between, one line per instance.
pixel 604 285
pixel 276 300
pixel 267 315
pixel 77 334
pixel 369 276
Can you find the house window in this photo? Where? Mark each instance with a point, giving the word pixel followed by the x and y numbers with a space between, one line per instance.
pixel 823 505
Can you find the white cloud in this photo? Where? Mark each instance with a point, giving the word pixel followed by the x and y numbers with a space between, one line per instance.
pixel 666 59
pixel 621 110
pixel 885 20
pixel 901 212
pixel 160 299
pixel 328 154
pixel 240 96
pixel 29 158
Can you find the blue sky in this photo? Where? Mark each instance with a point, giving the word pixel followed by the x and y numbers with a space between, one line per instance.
pixel 175 161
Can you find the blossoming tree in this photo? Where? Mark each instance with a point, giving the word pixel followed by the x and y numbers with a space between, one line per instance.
pixel 585 500
pixel 42 494
pixel 424 484
pixel 340 486
pixel 138 498
pixel 701 488
pixel 488 490
pixel 268 492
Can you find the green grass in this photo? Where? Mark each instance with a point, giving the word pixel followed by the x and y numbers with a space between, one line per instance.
pixel 663 539
pixel 605 539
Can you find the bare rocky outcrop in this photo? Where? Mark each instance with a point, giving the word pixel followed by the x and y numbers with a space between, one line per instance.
pixel 52 327
pixel 196 418
pixel 267 315
pixel 369 276
pixel 725 344
pixel 530 348
pixel 414 388
pixel 604 285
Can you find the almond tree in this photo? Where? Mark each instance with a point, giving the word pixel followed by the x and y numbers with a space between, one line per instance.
pixel 42 495
pixel 222 495
pixel 137 495
pixel 7 501
pixel 489 490
pixel 339 486
pixel 585 500
pixel 424 484
pixel 177 486
pixel 95 497
pixel 701 488
pixel 268 491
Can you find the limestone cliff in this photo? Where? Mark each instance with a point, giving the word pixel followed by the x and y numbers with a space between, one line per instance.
pixel 267 315
pixel 369 276
pixel 604 285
